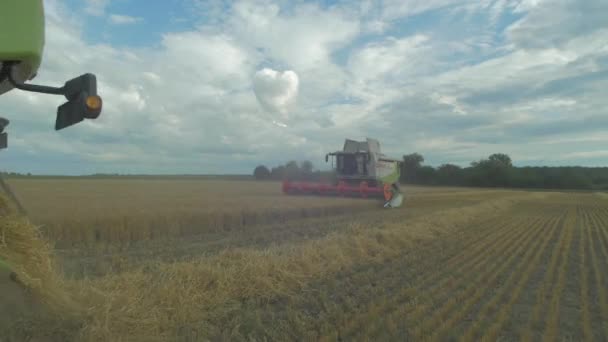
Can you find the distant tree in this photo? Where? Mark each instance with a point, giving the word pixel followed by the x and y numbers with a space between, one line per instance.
pixel 449 174
pixel 261 172
pixel 292 170
pixel 306 167
pixel 292 165
pixel 307 170
pixel 501 159
pixel 413 160
pixel 278 173
pixel 496 171
pixel 410 167
pixel 426 175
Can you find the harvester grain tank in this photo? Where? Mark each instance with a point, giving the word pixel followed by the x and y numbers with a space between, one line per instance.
pixel 362 170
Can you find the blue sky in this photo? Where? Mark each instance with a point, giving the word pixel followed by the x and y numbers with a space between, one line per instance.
pixel 134 23
pixel 194 86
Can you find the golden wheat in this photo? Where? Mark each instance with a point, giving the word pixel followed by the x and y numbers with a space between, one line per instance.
pixel 455 288
pixel 554 306
pixel 41 289
pixel 436 282
pixel 88 212
pixel 474 290
pixel 598 230
pixel 541 292
pixel 409 298
pixel 584 244
pixel 523 272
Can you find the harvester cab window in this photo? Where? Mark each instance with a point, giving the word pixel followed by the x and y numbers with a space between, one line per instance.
pixel 361 164
pixel 351 164
pixel 346 164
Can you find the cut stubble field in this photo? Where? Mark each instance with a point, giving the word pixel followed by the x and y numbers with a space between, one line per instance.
pixel 213 260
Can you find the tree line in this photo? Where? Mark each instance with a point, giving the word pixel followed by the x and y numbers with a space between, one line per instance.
pixel 14 174
pixel 293 170
pixel 495 171
pixel 498 171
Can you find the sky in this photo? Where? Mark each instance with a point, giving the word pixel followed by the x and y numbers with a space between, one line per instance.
pixel 209 87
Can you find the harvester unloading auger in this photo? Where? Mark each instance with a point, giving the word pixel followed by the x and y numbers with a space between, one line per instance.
pixel 361 171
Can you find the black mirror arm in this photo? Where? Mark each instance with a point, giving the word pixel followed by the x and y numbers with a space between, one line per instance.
pixel 7 72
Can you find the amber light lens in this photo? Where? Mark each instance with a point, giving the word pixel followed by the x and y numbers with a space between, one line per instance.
pixel 93 102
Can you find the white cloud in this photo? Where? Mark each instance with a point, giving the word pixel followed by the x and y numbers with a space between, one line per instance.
pixel 206 58
pixel 551 24
pixel 376 26
pixel 302 40
pixel 96 7
pixel 527 5
pixel 119 19
pixel 451 101
pixel 389 58
pixel 393 9
pixel 152 77
pixel 276 91
pixel 586 154
pixel 188 103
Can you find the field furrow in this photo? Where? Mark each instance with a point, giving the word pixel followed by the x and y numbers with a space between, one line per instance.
pixel 584 244
pixel 474 291
pixel 552 321
pixel 496 311
pixel 598 227
pixel 408 299
pixel 534 322
pixel 449 277
pixel 461 262
pixel 471 288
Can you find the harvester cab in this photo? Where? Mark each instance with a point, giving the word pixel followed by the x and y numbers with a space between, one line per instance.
pixel 362 170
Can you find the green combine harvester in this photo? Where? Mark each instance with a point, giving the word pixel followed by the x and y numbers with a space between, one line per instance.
pixel 22 37
pixel 362 170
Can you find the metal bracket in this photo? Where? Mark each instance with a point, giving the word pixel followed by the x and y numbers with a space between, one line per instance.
pixel 3 136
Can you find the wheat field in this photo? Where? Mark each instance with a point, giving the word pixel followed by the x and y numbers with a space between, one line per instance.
pixel 452 264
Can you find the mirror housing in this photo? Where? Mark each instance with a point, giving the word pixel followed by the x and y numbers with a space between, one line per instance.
pixel 83 101
pixel 81 93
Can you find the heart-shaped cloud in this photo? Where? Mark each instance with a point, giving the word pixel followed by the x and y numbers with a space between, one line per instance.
pixel 276 91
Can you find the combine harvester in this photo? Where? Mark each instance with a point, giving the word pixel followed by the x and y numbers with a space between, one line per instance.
pixel 22 37
pixel 361 171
